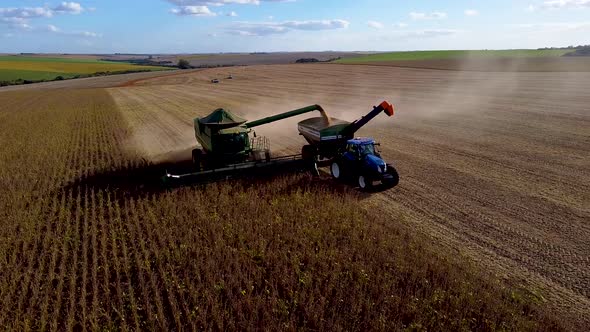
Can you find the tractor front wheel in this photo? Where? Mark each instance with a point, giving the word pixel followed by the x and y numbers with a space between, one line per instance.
pixel 393 179
pixel 365 183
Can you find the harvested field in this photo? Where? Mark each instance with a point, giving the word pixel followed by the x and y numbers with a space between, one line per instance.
pixel 504 64
pixel 88 241
pixel 493 164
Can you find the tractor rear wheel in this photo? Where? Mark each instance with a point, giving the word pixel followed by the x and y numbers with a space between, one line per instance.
pixel 336 170
pixel 197 159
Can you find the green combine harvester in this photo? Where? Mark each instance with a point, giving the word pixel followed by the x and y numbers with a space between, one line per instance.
pixel 229 147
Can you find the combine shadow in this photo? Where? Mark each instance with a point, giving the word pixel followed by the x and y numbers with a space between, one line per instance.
pixel 142 178
pixel 146 177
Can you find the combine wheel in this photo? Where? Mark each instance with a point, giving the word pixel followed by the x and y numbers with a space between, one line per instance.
pixel 197 159
pixel 336 170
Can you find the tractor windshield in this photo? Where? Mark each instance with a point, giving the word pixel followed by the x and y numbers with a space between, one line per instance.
pixel 366 149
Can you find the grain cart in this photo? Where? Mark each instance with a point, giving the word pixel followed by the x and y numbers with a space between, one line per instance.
pixel 331 141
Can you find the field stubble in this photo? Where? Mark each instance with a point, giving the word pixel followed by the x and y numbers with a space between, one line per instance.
pixel 87 243
pixel 493 164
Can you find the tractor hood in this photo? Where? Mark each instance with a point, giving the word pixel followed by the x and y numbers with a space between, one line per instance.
pixel 375 163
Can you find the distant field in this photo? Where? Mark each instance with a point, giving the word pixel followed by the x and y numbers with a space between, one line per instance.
pixel 430 55
pixel 487 61
pixel 13 68
pixel 249 59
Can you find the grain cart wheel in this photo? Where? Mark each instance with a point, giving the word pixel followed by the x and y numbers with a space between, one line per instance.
pixel 197 159
pixel 336 170
pixel 365 182
pixel 309 155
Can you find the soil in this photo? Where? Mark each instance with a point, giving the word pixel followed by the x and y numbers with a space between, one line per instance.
pixel 493 164
pixel 500 64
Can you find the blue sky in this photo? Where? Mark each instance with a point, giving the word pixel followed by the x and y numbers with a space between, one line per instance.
pixel 193 26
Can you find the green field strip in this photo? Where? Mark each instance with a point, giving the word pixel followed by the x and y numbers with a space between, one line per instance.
pixel 438 55
pixel 31 75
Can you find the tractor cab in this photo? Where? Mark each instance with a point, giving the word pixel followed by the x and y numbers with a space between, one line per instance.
pixel 359 148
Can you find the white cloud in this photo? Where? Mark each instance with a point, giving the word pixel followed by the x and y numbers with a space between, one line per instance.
pixel 428 16
pixel 271 28
pixel 53 29
pixel 559 4
pixel 220 2
pixel 375 25
pixel 201 7
pixel 16 23
pixel 87 34
pixel 19 18
pixel 400 25
pixel 192 11
pixel 26 12
pixel 471 12
pixel 553 26
pixel 232 14
pixel 429 33
pixel 69 7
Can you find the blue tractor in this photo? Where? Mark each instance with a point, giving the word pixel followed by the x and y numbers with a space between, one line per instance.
pixel 362 163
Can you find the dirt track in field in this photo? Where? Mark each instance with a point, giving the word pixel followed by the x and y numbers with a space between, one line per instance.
pixel 494 165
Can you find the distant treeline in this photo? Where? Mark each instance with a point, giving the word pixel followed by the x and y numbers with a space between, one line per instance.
pixel 571 47
pixel 61 78
pixel 312 60
pixel 580 51
pixel 142 62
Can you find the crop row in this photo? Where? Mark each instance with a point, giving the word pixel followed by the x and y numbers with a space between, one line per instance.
pixel 85 245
